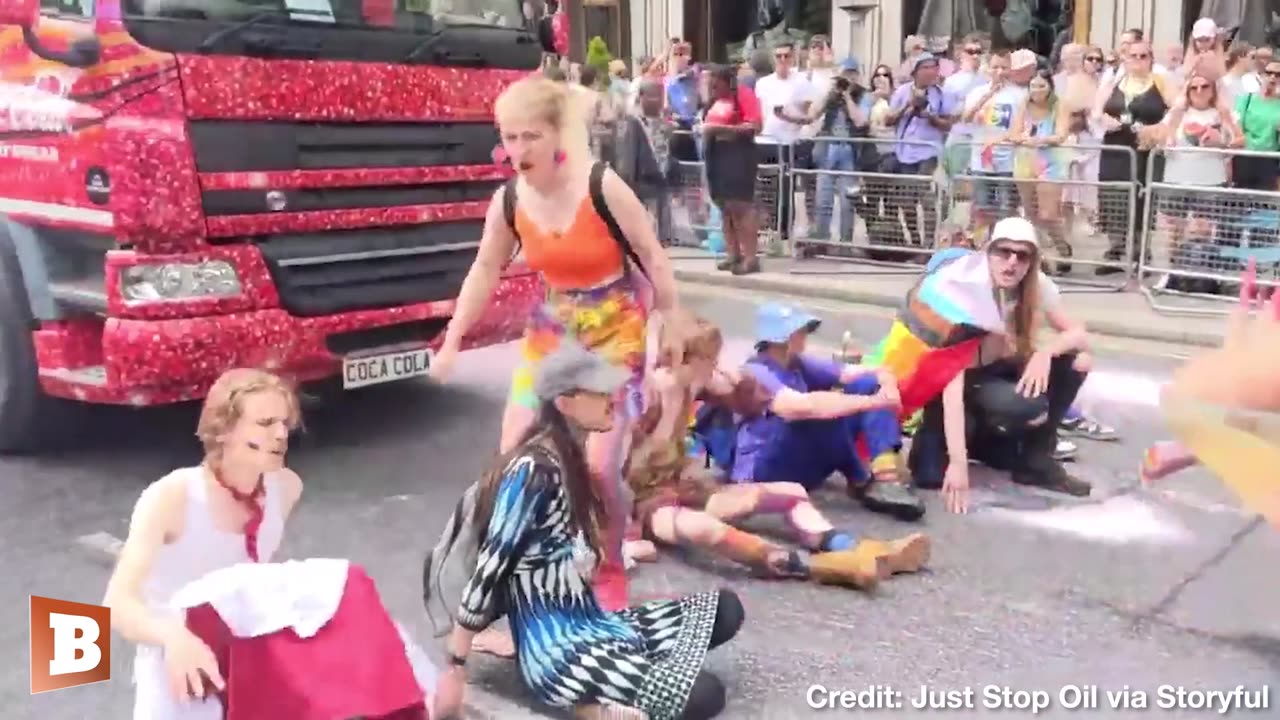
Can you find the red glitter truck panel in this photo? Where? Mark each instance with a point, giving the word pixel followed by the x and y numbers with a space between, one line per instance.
pixel 190 186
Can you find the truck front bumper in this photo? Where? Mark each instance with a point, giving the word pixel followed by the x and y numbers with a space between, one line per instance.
pixel 151 362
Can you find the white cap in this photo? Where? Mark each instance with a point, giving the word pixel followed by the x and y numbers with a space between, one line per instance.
pixel 1023 58
pixel 1016 229
pixel 1204 28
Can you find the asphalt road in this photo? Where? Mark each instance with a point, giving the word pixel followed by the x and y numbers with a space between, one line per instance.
pixel 1135 588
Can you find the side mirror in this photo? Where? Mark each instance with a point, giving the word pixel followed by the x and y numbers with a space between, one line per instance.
pixel 22 13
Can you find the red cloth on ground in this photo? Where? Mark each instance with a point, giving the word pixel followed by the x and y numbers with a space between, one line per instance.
pixel 354 667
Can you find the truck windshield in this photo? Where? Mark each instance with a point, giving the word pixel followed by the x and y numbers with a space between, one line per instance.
pixel 368 30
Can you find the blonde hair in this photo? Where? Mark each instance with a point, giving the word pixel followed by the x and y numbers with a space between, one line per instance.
pixel 224 405
pixel 702 338
pixel 557 104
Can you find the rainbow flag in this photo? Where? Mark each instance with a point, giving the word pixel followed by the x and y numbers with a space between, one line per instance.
pixel 937 332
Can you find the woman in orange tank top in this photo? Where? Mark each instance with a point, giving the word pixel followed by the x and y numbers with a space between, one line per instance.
pixel 594 295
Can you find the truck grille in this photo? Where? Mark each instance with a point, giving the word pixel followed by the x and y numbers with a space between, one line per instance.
pixel 335 271
pixel 347 270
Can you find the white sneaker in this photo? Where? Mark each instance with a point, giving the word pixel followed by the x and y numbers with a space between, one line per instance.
pixel 1065 450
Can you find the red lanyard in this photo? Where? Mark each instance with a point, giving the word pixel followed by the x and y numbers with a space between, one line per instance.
pixel 252 502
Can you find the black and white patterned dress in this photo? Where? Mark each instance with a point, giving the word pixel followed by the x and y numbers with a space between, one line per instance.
pixel 570 651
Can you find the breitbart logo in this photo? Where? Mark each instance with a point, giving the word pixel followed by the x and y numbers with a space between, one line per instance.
pixel 70 644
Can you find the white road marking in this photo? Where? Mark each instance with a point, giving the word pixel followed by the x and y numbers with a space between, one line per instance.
pixel 1117 521
pixel 102 543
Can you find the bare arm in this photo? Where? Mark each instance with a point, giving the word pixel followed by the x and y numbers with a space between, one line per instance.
pixel 291 488
pixel 637 227
pixel 953 422
pixel 1018 128
pixel 852 372
pixel 1072 334
pixel 822 405
pixel 148 528
pixel 497 243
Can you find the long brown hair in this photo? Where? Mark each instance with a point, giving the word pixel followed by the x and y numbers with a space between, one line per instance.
pixel 1026 311
pixel 550 430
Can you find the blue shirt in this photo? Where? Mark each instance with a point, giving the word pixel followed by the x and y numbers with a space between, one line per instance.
pixel 806 373
pixel 682 97
pixel 915 129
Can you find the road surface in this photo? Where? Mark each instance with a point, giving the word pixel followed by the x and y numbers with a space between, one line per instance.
pixel 1134 588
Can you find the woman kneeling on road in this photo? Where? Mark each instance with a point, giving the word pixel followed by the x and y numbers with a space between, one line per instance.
pixel 1005 410
pixel 230 509
pixel 538 524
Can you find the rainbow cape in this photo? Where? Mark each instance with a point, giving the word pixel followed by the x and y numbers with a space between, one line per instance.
pixel 940 326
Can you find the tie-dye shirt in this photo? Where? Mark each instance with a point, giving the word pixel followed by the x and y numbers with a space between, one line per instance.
pixel 991 125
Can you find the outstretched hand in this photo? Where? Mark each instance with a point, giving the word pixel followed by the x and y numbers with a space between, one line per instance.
pixel 1242 373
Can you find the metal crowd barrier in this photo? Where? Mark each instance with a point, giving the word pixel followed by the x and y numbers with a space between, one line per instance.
pixel 1088 223
pixel 1198 237
pixel 696 221
pixel 887 218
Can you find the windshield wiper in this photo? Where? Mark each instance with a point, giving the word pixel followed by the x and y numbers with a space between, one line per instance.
pixel 212 41
pixel 431 40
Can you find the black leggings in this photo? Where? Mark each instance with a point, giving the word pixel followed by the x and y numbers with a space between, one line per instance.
pixel 707 699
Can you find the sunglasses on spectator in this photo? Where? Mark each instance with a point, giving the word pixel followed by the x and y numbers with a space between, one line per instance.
pixel 1007 252
pixel 1140 56
pixel 782 55
pixel 1093 58
pixel 1198 87
pixel 1272 73
pixel 973 50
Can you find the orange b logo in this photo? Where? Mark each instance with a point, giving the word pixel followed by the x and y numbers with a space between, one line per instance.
pixel 70 644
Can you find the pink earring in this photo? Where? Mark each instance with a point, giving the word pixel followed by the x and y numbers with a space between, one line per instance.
pixel 559 157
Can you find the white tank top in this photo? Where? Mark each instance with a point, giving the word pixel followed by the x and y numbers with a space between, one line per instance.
pixel 202 547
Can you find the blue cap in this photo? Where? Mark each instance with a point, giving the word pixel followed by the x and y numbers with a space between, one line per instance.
pixel 851 65
pixel 922 59
pixel 776 323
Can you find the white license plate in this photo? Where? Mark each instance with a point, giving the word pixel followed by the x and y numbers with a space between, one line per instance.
pixel 367 370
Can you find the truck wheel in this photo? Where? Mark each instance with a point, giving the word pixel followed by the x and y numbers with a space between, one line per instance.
pixel 26 413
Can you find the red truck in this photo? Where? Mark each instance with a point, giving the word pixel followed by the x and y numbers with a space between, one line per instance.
pixel 192 185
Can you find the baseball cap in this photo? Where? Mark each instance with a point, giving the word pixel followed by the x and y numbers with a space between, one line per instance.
pixel 1204 28
pixel 573 368
pixel 923 59
pixel 1016 229
pixel 851 65
pixel 1023 58
pixel 776 322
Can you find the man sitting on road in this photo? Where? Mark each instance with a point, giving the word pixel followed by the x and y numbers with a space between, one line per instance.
pixel 819 411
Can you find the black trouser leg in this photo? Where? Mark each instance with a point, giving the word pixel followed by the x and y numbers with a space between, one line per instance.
pixel 1064 384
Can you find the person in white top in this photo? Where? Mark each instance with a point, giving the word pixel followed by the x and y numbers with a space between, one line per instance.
pixel 231 509
pixel 960 84
pixel 1199 118
pixel 1240 78
pixel 785 99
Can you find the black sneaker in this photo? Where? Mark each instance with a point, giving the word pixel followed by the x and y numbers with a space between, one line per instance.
pixel 895 499
pixel 1053 477
pixel 728 263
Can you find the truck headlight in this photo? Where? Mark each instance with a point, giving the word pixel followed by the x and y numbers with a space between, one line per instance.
pixel 179 281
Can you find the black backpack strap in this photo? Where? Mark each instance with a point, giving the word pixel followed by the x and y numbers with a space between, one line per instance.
pixel 602 209
pixel 509 212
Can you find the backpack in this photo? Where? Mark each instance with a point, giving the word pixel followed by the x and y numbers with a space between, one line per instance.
pixel 443 566
pixel 598 201
pixel 716 430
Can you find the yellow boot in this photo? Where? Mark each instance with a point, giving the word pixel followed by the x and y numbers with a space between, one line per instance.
pixel 904 555
pixel 861 567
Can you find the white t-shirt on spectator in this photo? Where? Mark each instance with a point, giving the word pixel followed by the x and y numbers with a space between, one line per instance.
pixel 1195 168
pixel 996 347
pixel 959 85
pixel 992 123
pixel 791 94
pixel 820 80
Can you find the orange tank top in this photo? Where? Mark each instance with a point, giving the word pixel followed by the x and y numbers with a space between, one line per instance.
pixel 583 256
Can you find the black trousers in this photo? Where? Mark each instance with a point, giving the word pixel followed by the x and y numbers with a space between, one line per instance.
pixel 1001 428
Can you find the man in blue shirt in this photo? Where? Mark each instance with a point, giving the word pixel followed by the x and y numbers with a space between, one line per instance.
pixel 845 112
pixel 818 412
